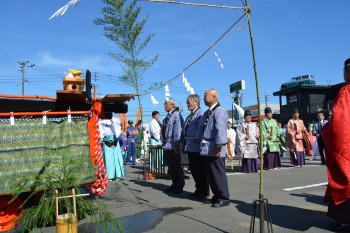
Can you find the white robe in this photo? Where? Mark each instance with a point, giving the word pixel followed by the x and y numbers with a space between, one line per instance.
pixel 247 148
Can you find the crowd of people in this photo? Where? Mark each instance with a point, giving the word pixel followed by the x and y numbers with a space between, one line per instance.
pixel 209 140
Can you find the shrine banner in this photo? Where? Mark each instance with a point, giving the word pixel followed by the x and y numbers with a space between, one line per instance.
pixel 30 148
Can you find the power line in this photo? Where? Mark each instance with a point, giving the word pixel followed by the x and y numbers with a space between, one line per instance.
pixel 200 57
pixel 195 4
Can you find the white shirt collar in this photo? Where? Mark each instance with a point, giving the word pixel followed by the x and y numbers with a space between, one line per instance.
pixel 213 106
pixel 194 109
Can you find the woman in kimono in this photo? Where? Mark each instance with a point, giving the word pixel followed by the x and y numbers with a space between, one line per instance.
pixel 248 143
pixel 110 131
pixel 272 141
pixel 294 139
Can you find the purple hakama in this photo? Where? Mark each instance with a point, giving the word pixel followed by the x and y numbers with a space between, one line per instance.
pixel 250 165
pixel 271 160
pixel 298 158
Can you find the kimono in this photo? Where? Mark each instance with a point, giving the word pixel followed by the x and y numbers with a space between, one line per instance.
pixel 248 145
pixel 271 147
pixel 110 132
pixel 336 135
pixel 294 141
pixel 312 140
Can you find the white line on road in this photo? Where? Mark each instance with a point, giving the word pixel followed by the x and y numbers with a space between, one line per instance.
pixel 307 186
pixel 278 169
pixel 235 173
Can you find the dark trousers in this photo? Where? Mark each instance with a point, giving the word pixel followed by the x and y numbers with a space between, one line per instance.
pixel 320 144
pixel 199 173
pixel 217 178
pixel 131 152
pixel 175 169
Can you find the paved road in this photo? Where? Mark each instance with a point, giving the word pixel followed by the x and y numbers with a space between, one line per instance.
pixel 295 198
pixel 143 207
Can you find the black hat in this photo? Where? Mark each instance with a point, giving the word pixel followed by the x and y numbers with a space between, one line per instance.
pixel 155 113
pixel 347 62
pixel 130 122
pixel 268 110
pixel 247 113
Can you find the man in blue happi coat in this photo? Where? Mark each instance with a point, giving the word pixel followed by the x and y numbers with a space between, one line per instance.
pixel 213 136
pixel 191 145
pixel 171 138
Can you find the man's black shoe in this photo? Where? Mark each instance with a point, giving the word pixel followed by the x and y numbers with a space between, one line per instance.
pixel 219 204
pixel 340 227
pixel 193 195
pixel 202 198
pixel 169 190
pixel 177 191
pixel 211 201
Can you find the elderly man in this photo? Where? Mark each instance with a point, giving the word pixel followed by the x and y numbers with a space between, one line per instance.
pixel 171 130
pixel 213 132
pixel 191 146
pixel 336 134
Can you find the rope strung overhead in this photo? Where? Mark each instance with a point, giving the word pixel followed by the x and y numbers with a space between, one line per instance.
pixel 195 4
pixel 201 56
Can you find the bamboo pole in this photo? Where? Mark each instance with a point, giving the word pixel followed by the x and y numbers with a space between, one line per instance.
pixel 261 183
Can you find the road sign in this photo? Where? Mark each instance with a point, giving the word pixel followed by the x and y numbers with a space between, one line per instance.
pixel 237 86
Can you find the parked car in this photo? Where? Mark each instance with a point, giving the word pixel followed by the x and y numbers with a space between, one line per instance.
pixel 296 81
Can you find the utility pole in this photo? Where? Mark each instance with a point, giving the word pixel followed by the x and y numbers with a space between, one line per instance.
pixel 23 65
pixel 95 75
pixel 266 100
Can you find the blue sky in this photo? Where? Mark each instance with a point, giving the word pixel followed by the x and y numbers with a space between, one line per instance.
pixel 292 38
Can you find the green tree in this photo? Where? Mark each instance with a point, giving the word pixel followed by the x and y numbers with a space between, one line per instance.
pixel 121 25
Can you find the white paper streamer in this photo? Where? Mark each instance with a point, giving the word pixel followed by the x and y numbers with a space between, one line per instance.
pixel 154 101
pixel 63 9
pixel 219 60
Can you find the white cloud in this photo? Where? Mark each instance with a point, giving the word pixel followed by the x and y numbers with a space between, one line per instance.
pixel 97 63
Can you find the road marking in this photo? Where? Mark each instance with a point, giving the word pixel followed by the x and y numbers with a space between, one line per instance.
pixel 305 187
pixel 286 168
pixel 235 173
pixel 283 168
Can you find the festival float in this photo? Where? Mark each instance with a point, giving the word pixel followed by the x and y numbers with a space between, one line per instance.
pixel 37 133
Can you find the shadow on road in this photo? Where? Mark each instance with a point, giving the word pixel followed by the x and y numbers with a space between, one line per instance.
pixel 289 217
pixel 137 223
pixel 310 198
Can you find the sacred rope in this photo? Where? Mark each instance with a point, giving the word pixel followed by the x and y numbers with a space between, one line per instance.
pixel 100 185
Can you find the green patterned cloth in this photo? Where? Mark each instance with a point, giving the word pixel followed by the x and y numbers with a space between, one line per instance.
pixel 30 148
